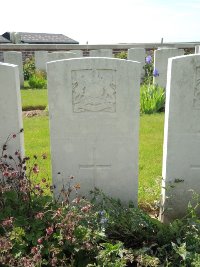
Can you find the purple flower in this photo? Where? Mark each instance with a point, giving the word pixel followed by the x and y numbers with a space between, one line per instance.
pixel 103 220
pixel 155 73
pixel 148 59
pixel 102 212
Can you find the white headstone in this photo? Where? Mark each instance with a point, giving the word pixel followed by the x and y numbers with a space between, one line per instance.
pixel 197 49
pixel 161 57
pixel 101 53
pixel 94 117
pixel 60 55
pixel 41 60
pixel 78 52
pixel 138 54
pixel 10 109
pixel 181 155
pixel 15 58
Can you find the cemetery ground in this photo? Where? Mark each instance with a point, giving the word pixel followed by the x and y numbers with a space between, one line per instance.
pixel 34 99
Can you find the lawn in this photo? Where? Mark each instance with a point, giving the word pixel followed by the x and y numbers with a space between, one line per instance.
pixel 34 99
pixel 36 130
pixel 37 143
pixel 150 157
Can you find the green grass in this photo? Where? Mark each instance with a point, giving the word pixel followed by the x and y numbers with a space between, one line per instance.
pixel 36 130
pixel 150 157
pixel 34 99
pixel 37 142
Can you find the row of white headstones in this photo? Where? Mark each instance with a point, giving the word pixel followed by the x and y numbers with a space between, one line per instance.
pixel 94 125
pixel 161 56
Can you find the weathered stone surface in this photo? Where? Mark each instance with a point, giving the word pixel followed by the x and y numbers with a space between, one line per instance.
pixel 10 109
pixel 94 117
pixel 41 60
pixel 138 54
pixel 197 49
pixel 161 57
pixel 60 55
pixel 15 58
pixel 78 52
pixel 101 53
pixel 181 151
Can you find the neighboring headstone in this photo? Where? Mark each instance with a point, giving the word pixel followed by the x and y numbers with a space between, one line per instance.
pixel 101 53
pixel 78 52
pixel 138 54
pixel 13 57
pixel 10 109
pixel 94 121
pixel 197 49
pixel 181 154
pixel 161 57
pixel 41 60
pixel 60 55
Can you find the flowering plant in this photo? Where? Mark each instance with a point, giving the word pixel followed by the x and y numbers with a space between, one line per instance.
pixel 152 97
pixel 37 230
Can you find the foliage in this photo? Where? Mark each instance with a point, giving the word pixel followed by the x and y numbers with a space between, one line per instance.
pixel 35 78
pixel 29 68
pixel 152 99
pixel 38 80
pixel 122 55
pixel 36 230
pixel 150 242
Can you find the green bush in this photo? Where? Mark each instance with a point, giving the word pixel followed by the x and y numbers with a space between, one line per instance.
pixel 38 80
pixel 152 99
pixel 29 68
pixel 122 55
pixel 147 241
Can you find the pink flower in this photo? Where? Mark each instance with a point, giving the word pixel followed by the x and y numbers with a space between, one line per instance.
pixel 54 261
pixel 86 208
pixel 8 222
pixel 35 169
pixel 39 215
pixel 49 230
pixel 34 250
pixel 14 135
pixel 37 186
pixel 6 173
pixel 40 240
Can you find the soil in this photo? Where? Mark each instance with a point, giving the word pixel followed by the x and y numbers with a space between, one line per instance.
pixel 32 113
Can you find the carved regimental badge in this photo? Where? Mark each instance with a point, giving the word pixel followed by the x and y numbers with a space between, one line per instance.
pixel 94 90
pixel 196 100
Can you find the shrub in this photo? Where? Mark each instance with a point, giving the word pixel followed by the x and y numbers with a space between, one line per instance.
pixel 29 68
pixel 38 80
pixel 122 55
pixel 149 242
pixel 36 230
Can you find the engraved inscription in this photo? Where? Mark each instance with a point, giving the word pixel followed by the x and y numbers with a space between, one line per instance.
pixel 93 90
pixel 196 100
pixel 94 166
pixel 195 167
